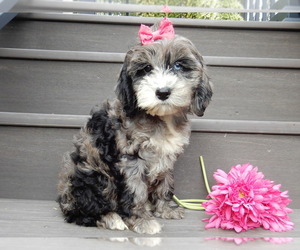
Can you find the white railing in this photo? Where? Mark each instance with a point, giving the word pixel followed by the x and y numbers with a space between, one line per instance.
pixel 33 6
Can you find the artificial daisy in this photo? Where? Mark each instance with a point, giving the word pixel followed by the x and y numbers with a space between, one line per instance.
pixel 244 200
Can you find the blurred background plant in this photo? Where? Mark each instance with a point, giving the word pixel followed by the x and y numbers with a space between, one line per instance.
pixel 244 5
pixel 234 4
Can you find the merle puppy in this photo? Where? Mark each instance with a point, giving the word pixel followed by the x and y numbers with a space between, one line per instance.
pixel 120 174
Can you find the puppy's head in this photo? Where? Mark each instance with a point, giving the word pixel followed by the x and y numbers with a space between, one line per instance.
pixel 164 78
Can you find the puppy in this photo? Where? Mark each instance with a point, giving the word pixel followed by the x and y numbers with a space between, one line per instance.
pixel 120 174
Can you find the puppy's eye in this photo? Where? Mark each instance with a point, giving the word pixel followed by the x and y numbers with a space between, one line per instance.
pixel 148 68
pixel 177 66
pixel 144 70
pixel 182 66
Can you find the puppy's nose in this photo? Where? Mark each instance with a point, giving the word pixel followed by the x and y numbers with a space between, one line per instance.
pixel 163 93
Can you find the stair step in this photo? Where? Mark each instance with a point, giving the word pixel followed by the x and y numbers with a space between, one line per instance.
pixel 198 125
pixel 65 87
pixel 111 57
pixel 32 156
pixel 118 37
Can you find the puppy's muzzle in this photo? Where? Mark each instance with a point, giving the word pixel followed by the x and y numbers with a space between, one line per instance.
pixel 163 93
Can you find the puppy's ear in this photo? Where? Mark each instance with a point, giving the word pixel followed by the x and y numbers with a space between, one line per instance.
pixel 201 96
pixel 203 91
pixel 125 92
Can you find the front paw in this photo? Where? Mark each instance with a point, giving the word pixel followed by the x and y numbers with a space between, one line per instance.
pixel 170 212
pixel 146 226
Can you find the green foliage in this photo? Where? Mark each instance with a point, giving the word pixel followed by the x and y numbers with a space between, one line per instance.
pixel 196 3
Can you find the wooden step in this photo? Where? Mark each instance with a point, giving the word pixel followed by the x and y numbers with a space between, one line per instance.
pixel 40 223
pixel 117 37
pixel 31 159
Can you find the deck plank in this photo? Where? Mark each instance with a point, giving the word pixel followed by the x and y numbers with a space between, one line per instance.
pixel 129 243
pixel 107 37
pixel 75 87
pixel 31 159
pixel 31 218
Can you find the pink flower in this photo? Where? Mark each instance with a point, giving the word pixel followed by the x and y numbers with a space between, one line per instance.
pixel 244 200
pixel 166 9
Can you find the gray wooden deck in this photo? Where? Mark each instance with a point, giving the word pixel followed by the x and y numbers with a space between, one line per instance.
pixel 32 224
pixel 45 69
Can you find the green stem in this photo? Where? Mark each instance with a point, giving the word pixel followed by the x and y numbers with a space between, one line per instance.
pixel 204 175
pixel 193 200
pixel 195 204
pixel 188 205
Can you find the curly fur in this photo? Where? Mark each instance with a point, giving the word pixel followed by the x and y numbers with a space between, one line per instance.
pixel 120 174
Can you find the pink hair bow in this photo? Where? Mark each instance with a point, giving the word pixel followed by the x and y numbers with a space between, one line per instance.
pixel 165 31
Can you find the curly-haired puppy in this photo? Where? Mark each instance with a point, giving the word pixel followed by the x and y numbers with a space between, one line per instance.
pixel 120 174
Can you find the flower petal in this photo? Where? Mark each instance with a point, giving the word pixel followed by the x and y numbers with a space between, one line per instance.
pixel 238 228
pixel 221 177
pixel 228 213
